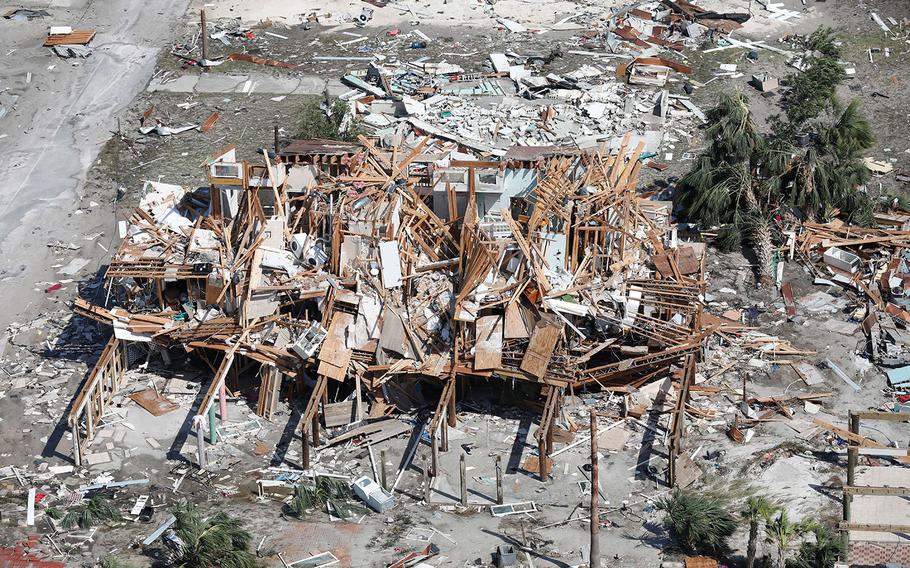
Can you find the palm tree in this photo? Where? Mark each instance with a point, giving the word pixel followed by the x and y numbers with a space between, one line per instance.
pixel 218 541
pixel 813 88
pixel 734 184
pixel 781 532
pixel 700 523
pixel 826 173
pixel 823 553
pixel 757 509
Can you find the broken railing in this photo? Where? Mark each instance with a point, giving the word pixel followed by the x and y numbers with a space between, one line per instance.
pixel 93 401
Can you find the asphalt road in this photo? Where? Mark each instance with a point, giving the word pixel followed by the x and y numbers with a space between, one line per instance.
pixel 55 127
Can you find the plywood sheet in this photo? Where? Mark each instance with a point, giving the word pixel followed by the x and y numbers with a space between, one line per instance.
pixel 78 37
pixel 335 372
pixel 488 348
pixel 809 373
pixel 156 404
pixel 338 413
pixel 687 261
pixel 540 350
pixel 335 347
pixel 515 325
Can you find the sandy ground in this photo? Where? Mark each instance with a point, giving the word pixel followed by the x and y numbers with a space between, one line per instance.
pixel 59 123
pixel 465 13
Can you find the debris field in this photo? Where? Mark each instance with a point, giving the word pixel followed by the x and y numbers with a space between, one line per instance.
pixel 462 319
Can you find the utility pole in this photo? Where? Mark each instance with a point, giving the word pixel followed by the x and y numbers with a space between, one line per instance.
pixel 594 560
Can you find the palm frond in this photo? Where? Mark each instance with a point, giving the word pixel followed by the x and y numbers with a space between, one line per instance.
pixel 700 523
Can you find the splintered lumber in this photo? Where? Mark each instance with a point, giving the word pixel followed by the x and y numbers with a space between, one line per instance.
pixel 372 433
pixel 786 291
pixel 856 439
pixel 543 343
pixel 209 122
pixel 328 262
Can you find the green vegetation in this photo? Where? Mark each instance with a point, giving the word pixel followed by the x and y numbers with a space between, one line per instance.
pixel 823 553
pixel 731 185
pixel 112 562
pixel 328 119
pixel 97 510
pixel 325 493
pixel 701 524
pixel 782 532
pixel 812 90
pixel 216 542
pixel 748 183
pixel 756 510
pixel 824 175
pixel 698 522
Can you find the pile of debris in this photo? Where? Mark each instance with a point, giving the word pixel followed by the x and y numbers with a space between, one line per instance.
pixel 387 275
pixel 873 263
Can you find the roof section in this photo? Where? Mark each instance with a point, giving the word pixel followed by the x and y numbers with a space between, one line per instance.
pixel 531 153
pixel 320 146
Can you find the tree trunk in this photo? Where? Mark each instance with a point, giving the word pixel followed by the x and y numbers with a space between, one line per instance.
pixel 764 251
pixel 750 549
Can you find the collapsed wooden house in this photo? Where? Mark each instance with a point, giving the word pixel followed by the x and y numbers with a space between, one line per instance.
pixel 325 274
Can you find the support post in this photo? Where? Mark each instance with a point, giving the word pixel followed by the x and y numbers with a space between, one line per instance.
pixel 305 451
pixel 200 440
pixel 205 37
pixel 542 456
pixel 77 447
pixel 498 479
pixel 213 434
pixel 852 458
pixel 594 560
pixel 434 445
pixel 549 437
pixel 222 402
pixel 358 402
pixel 276 140
pixel 444 430
pixel 450 411
pixel 427 482
pixel 854 423
pixel 315 429
pixel 382 471
pixel 464 482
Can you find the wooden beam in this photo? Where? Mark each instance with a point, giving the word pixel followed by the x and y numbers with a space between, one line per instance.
pixel 880 491
pixel 857 439
pixel 874 527
pixel 883 452
pixel 881 415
